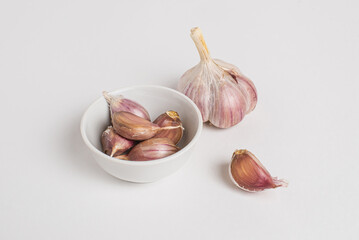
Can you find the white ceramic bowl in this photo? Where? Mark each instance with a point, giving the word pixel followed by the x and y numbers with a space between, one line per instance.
pixel 157 100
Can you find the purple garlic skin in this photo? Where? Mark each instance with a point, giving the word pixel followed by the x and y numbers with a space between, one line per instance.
pixel 119 103
pixel 169 118
pixel 220 91
pixel 133 127
pixel 249 174
pixel 113 144
pixel 152 149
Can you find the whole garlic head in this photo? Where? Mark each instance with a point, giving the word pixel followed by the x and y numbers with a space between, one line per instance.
pixel 221 92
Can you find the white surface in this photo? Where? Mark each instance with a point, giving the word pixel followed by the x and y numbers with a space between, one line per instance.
pixel 156 100
pixel 57 56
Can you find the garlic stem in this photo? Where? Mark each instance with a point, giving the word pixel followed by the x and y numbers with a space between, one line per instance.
pixel 197 37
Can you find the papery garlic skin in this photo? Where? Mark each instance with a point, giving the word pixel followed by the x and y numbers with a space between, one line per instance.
pixel 221 92
pixel 151 149
pixel 119 103
pixel 248 173
pixel 169 118
pixel 113 144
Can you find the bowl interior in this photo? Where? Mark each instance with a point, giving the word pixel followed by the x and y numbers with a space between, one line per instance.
pixel 156 100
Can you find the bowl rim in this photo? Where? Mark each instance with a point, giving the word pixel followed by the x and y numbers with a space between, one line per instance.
pixel 149 162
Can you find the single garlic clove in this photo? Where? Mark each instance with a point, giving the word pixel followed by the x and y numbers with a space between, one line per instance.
pixel 220 91
pixel 248 173
pixel 113 144
pixel 229 105
pixel 169 118
pixel 133 127
pixel 198 89
pixel 119 103
pixel 246 85
pixel 152 149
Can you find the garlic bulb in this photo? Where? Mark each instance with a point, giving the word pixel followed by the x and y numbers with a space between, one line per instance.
pixel 169 118
pixel 113 144
pixel 221 92
pixel 133 127
pixel 248 173
pixel 119 103
pixel 152 149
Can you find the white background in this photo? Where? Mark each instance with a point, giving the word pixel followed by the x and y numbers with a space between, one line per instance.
pixel 56 57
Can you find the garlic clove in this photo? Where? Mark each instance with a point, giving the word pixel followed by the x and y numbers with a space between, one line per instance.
pixel 198 91
pixel 151 149
pixel 229 105
pixel 133 127
pixel 119 103
pixel 169 118
pixel 220 91
pixel 113 144
pixel 246 85
pixel 248 173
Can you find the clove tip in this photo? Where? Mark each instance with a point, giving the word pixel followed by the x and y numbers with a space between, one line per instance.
pixel 239 152
pixel 173 114
pixel 107 96
pixel 280 182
